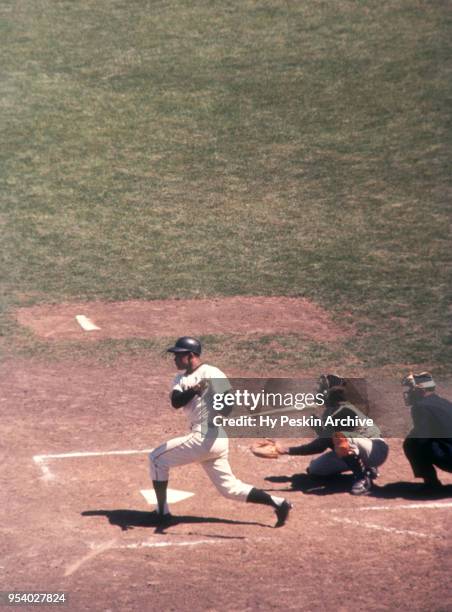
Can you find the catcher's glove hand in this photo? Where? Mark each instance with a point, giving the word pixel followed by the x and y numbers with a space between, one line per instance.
pixel 265 448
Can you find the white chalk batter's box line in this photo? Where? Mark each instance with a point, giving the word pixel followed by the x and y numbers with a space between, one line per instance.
pixel 375 526
pixel 98 549
pixel 419 506
pixel 43 460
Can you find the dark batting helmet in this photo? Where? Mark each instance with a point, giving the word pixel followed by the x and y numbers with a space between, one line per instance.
pixel 186 344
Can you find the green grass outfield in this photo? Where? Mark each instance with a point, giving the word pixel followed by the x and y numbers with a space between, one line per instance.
pixel 180 149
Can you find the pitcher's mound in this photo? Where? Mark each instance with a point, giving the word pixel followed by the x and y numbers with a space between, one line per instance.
pixel 157 318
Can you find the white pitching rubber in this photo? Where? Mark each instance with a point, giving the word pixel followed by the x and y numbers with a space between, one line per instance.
pixel 85 323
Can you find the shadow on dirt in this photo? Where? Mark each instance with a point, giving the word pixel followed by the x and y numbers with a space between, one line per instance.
pixel 128 519
pixel 342 483
pixel 409 490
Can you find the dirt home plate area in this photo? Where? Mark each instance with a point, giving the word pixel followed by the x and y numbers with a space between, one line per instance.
pixel 75 438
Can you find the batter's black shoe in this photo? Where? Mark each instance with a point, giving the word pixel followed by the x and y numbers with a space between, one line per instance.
pixel 282 513
pixel 361 486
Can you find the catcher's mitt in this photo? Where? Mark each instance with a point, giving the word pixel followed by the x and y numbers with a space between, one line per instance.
pixel 266 449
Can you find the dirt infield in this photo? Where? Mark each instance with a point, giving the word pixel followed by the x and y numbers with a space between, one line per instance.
pixel 140 319
pixel 74 441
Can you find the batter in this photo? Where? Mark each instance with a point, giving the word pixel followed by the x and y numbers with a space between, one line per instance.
pixel 206 444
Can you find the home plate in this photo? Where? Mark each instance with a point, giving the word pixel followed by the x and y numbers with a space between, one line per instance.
pixel 86 323
pixel 172 496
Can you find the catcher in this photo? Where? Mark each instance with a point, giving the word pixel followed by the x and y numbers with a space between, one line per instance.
pixel 357 449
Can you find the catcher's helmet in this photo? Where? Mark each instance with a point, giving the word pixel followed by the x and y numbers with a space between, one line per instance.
pixel 332 388
pixel 186 344
pixel 329 381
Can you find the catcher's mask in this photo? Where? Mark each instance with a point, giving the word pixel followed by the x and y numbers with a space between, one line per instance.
pixel 332 388
pixel 416 385
pixel 186 344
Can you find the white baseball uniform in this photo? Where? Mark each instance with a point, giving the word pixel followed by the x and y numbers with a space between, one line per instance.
pixel 205 444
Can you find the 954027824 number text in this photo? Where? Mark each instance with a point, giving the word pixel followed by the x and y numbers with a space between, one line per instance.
pixel 27 598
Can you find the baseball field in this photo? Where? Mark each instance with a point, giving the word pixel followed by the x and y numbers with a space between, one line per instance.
pixel 273 178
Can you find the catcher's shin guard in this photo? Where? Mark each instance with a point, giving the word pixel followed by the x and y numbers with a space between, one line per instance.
pixel 355 464
pixel 363 483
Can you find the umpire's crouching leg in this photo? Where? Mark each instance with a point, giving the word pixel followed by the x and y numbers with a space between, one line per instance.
pixel 418 451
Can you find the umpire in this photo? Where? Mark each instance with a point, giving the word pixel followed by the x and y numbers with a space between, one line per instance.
pixel 429 443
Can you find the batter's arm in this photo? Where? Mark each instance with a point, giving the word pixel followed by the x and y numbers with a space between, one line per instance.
pixel 181 398
pixel 311 448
